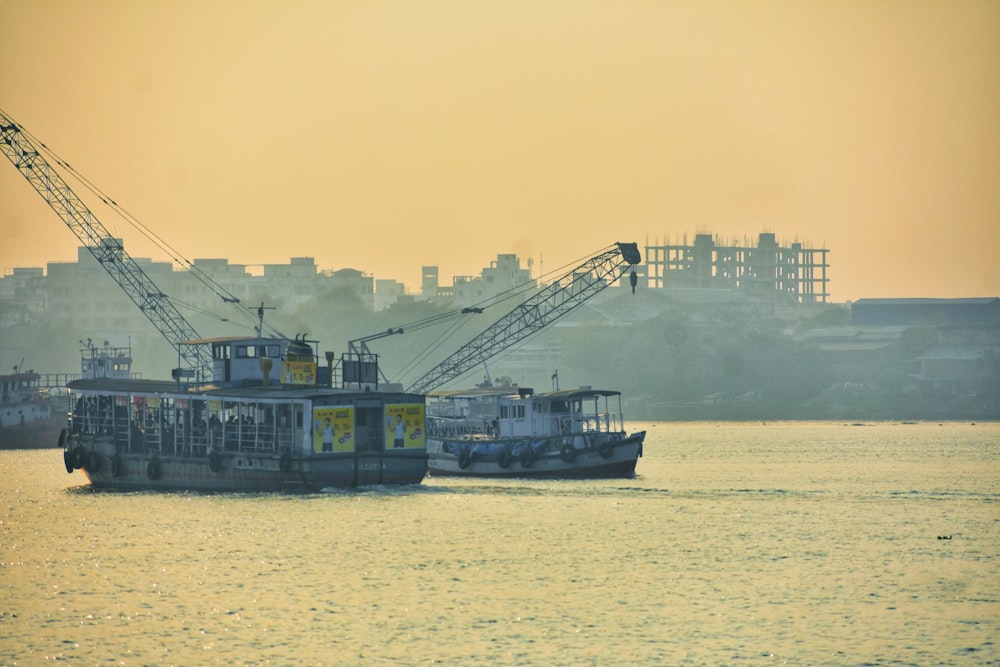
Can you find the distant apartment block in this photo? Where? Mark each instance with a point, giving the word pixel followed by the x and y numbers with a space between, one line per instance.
pixel 387 292
pixel 505 273
pixel 23 296
pixel 767 268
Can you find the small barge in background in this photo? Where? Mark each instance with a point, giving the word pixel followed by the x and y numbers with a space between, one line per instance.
pixel 514 432
pixel 246 431
pixel 27 417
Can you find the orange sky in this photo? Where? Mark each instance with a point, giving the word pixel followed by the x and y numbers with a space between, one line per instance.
pixel 384 135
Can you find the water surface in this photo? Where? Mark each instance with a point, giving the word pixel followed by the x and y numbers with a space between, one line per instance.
pixel 735 544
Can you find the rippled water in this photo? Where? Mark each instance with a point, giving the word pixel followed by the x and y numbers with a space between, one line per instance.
pixel 755 544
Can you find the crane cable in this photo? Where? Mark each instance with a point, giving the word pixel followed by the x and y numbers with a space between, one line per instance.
pixel 133 221
pixel 506 295
pixel 456 315
pixel 228 297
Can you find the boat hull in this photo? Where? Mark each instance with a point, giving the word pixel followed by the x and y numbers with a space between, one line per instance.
pixel 550 457
pixel 39 434
pixel 227 471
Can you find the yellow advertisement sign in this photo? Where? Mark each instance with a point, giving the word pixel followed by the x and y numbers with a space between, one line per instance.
pixel 298 372
pixel 404 426
pixel 333 428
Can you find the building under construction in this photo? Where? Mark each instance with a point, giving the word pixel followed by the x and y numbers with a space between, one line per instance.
pixel 765 269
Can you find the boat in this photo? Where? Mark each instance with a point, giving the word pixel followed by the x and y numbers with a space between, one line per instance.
pixel 220 423
pixel 242 430
pixel 27 418
pixel 515 432
pixel 32 405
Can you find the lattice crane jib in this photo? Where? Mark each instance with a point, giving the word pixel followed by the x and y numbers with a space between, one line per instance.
pixel 541 309
pixel 108 252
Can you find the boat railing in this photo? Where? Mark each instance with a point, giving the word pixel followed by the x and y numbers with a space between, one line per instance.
pixel 151 435
pixel 605 422
pixel 443 427
pixel 182 427
pixel 609 422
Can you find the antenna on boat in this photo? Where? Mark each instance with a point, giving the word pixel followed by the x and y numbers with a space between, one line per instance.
pixel 260 318
pixel 555 380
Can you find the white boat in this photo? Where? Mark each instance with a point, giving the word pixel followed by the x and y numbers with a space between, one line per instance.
pixel 514 432
pixel 246 431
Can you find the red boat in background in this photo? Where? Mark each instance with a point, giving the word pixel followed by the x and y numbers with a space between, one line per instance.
pixel 26 417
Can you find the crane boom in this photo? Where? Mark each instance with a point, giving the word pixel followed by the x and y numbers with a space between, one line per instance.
pixel 527 318
pixel 109 253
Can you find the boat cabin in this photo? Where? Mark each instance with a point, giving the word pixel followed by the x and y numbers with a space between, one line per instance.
pixel 559 412
pixel 242 361
pixel 23 400
pixel 150 415
pixel 107 361
pixel 19 386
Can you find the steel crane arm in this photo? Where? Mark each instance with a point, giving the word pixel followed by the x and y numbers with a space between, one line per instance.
pixel 102 245
pixel 527 318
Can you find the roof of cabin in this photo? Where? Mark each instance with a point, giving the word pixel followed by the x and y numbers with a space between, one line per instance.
pixel 133 386
pixel 568 394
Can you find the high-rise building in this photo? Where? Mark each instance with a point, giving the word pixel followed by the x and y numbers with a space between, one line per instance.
pixel 767 268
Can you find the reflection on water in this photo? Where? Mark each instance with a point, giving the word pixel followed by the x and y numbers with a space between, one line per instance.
pixel 797 543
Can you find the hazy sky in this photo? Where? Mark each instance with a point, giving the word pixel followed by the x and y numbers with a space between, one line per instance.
pixel 384 135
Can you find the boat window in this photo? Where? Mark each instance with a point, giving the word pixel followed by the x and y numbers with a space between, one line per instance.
pixel 248 425
pixel 199 427
pixel 265 413
pixel 246 351
pixel 368 431
pixel 273 351
pixel 283 425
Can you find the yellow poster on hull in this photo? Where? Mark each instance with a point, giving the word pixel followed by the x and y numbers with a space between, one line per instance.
pixel 333 429
pixel 404 426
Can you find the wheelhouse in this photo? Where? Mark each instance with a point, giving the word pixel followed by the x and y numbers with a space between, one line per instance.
pixel 571 411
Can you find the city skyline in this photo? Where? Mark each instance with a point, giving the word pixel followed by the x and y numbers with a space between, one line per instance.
pixel 388 137
pixel 796 270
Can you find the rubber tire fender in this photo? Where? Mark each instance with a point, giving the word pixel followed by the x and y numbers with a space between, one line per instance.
pixel 606 450
pixel 79 456
pixel 153 469
pixel 464 458
pixel 92 462
pixel 215 461
pixel 505 458
pixel 568 453
pixel 527 457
